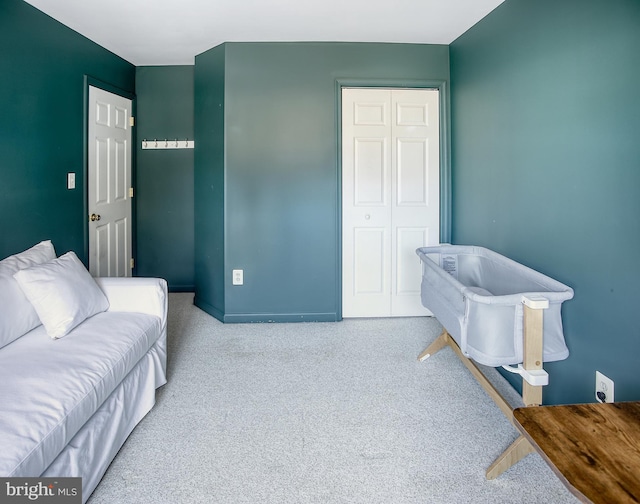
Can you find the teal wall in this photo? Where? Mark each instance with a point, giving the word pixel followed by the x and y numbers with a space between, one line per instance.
pixel 546 168
pixel 281 170
pixel 209 176
pixel 164 178
pixel 42 70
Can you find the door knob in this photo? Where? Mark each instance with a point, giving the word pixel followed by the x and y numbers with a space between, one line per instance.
pixel 94 217
pixel 367 217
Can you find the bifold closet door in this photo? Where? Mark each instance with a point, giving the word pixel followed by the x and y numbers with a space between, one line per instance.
pixel 390 197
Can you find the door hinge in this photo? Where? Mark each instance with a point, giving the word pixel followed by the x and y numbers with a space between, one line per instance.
pixel 131 192
pixel 132 121
pixel 132 263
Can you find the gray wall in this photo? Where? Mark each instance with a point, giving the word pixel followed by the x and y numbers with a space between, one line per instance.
pixel 280 169
pixel 546 168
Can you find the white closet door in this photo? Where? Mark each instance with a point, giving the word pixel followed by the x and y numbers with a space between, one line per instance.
pixel 390 198
pixel 415 201
pixel 366 202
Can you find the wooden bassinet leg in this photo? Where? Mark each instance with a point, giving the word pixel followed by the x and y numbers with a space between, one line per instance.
pixel 532 355
pixel 440 342
pixel 445 339
pixel 531 394
pixel 519 449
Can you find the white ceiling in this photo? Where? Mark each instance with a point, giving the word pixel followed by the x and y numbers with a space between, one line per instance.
pixel 164 32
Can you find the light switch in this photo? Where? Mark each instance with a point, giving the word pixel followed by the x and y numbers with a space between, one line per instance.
pixel 71 180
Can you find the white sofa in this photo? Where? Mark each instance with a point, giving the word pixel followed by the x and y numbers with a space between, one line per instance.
pixel 68 403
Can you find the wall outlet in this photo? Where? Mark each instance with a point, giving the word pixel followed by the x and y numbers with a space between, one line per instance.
pixel 71 180
pixel 604 388
pixel 237 277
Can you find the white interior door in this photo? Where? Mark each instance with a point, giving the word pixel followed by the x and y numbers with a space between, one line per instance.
pixel 109 183
pixel 390 197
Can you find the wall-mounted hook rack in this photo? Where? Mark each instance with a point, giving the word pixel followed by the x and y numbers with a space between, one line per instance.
pixel 167 144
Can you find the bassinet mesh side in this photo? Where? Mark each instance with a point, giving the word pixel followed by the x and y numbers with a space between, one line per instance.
pixel 482 307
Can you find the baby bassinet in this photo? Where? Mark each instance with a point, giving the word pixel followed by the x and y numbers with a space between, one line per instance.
pixel 476 294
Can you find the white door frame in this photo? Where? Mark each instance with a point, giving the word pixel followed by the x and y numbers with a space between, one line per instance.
pixel 93 82
pixel 445 158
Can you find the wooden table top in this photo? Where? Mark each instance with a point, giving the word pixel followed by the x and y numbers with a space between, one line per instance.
pixel 593 448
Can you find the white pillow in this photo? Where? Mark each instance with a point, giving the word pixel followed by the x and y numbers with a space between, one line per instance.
pixel 62 292
pixel 17 315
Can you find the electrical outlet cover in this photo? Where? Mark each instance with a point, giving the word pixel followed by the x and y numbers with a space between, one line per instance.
pixel 237 277
pixel 604 388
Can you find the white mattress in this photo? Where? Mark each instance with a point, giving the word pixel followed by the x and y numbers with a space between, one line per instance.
pixel 45 400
